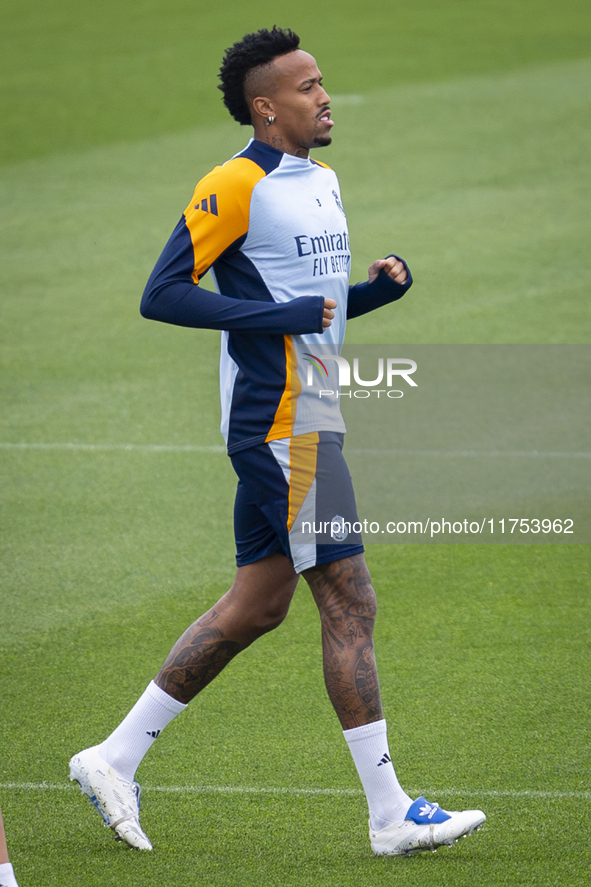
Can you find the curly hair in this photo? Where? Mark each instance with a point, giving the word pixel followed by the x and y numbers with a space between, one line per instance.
pixel 253 50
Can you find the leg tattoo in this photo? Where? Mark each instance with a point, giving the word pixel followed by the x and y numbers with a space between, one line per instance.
pixel 196 659
pixel 347 605
pixel 256 603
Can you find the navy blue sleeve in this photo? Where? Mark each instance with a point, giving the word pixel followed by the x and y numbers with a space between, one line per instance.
pixel 365 297
pixel 187 304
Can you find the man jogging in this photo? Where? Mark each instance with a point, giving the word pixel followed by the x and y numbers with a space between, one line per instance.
pixel 270 227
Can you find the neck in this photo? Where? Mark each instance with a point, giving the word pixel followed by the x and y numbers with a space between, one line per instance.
pixel 268 137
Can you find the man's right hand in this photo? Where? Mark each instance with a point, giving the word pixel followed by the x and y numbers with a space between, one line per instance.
pixel 328 315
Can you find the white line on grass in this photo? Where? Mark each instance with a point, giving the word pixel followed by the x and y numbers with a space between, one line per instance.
pixel 333 792
pixel 195 448
pixel 487 454
pixel 149 448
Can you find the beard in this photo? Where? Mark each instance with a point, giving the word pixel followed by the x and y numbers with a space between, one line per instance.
pixel 322 141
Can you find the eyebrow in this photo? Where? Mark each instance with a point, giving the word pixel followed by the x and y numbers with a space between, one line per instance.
pixel 311 80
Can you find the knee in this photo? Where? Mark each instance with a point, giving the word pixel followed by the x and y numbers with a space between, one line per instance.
pixel 360 604
pixel 260 614
pixel 343 589
pixel 264 618
pixel 365 604
pixel 271 616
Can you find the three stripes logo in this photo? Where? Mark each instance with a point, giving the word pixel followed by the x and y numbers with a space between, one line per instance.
pixel 386 759
pixel 209 205
pixel 153 733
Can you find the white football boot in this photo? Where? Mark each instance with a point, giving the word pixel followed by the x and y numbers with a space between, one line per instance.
pixel 115 798
pixel 425 828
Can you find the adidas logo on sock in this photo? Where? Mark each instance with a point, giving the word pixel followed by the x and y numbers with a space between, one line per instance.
pixel 153 733
pixel 385 760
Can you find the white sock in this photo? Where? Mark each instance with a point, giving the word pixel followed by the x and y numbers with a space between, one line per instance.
pixel 129 742
pixel 387 801
pixel 7 878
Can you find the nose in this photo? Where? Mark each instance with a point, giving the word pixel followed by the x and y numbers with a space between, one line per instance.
pixel 324 97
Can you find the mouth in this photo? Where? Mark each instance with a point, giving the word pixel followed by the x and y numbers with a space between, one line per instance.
pixel 324 117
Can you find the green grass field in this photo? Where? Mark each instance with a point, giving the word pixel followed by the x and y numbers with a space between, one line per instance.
pixel 462 142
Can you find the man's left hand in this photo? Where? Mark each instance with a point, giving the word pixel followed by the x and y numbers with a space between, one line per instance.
pixel 393 267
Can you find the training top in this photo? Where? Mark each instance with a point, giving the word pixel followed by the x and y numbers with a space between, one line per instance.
pixel 271 229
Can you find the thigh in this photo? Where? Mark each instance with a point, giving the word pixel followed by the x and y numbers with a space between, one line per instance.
pixel 266 585
pixel 343 587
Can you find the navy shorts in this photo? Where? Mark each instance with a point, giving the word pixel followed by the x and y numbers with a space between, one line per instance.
pixel 295 497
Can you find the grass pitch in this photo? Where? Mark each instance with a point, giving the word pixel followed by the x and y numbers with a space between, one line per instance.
pixel 461 142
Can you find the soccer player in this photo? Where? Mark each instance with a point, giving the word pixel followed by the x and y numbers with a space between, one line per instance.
pixel 270 227
pixel 7 878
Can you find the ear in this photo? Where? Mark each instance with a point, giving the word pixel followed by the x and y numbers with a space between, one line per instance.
pixel 262 108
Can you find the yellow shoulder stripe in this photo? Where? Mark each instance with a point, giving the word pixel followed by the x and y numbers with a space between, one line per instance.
pixel 219 211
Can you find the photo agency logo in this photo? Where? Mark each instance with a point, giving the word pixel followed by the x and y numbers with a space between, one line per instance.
pixel 391 371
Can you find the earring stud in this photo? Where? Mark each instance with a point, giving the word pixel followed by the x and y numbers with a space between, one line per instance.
pixel 269 121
